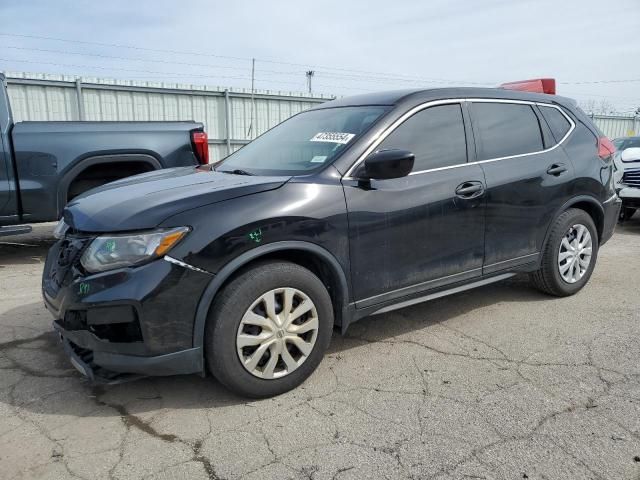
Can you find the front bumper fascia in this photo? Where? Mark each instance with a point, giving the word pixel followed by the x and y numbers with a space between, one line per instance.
pixel 163 297
pixel 106 367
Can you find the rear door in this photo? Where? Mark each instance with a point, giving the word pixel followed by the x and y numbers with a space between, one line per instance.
pixel 425 230
pixel 528 178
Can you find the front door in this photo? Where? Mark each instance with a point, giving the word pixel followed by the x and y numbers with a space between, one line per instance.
pixel 422 231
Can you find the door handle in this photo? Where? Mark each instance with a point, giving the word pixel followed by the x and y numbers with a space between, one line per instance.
pixel 469 189
pixel 556 169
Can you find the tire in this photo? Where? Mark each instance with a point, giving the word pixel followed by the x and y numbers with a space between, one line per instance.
pixel 549 278
pixel 242 305
pixel 626 213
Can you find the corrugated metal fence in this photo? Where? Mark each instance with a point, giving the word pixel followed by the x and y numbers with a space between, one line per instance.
pixel 231 117
pixel 615 126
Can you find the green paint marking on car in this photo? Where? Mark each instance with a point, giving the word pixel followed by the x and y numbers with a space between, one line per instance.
pixel 110 246
pixel 256 235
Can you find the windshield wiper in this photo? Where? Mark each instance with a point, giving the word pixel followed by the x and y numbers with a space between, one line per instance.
pixel 237 171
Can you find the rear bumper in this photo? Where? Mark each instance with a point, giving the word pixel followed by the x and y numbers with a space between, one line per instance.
pixel 611 213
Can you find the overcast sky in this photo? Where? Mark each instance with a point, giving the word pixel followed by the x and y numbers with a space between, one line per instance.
pixel 352 45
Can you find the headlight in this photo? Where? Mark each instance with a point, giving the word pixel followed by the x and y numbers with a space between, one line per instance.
pixel 114 251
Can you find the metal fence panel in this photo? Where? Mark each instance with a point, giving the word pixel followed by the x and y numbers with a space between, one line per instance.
pixel 614 126
pixel 56 97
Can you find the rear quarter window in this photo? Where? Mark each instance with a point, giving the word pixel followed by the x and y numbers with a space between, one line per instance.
pixel 506 129
pixel 557 122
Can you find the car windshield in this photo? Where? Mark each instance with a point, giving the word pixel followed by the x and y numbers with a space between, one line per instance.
pixel 618 142
pixel 624 143
pixel 304 143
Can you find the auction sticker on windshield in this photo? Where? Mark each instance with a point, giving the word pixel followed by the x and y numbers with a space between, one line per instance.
pixel 332 137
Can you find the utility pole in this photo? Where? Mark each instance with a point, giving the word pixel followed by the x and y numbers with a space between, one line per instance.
pixel 310 74
pixel 253 103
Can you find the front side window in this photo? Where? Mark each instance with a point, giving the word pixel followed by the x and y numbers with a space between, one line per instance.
pixel 506 129
pixel 434 135
pixel 304 143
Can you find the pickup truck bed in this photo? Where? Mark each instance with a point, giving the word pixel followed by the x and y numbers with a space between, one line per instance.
pixel 43 165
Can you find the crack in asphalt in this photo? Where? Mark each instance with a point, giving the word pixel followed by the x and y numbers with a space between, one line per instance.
pixel 577 388
pixel 133 421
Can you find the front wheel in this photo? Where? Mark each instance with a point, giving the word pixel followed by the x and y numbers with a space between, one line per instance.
pixel 569 256
pixel 268 329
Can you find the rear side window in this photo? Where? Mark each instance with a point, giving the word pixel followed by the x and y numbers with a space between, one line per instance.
pixel 506 129
pixel 558 123
pixel 434 135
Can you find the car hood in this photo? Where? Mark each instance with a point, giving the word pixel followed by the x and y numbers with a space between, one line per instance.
pixel 144 201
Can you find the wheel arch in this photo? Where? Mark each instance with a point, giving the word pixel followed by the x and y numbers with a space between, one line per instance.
pixel 95 160
pixel 309 255
pixel 583 202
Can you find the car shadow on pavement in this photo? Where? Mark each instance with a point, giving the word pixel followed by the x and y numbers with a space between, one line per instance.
pixel 629 227
pixel 33 353
pixel 19 250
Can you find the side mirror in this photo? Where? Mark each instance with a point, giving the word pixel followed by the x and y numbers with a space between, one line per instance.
pixel 387 164
pixel 631 154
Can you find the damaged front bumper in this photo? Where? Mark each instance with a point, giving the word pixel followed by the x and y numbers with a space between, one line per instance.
pixel 125 322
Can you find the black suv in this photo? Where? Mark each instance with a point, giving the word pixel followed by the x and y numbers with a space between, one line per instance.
pixel 360 206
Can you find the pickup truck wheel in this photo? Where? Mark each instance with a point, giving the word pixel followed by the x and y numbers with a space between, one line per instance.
pixel 569 255
pixel 268 329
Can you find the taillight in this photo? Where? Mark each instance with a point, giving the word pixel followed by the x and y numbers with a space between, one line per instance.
pixel 200 146
pixel 606 148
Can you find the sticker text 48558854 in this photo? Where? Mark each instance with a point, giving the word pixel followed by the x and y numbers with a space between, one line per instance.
pixel 332 137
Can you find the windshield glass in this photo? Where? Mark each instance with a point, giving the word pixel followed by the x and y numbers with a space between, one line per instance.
pixel 618 142
pixel 304 143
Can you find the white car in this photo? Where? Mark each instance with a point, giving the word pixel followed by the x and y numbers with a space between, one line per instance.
pixel 627 177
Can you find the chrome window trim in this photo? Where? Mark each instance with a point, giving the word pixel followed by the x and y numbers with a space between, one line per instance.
pixel 383 134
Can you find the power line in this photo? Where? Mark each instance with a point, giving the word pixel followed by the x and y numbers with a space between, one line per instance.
pixel 262 60
pixel 280 62
pixel 115 45
pixel 117 57
pixel 167 74
pixel 593 82
pixel 346 77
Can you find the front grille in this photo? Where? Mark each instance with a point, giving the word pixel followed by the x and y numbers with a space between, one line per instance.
pixel 74 320
pixel 632 177
pixel 66 261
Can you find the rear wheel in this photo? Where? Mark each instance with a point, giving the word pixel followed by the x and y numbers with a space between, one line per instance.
pixel 569 255
pixel 268 329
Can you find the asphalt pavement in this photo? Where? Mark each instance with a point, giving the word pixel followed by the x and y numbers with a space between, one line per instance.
pixel 500 382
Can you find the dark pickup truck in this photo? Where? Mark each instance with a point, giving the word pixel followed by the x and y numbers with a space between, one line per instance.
pixel 43 165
